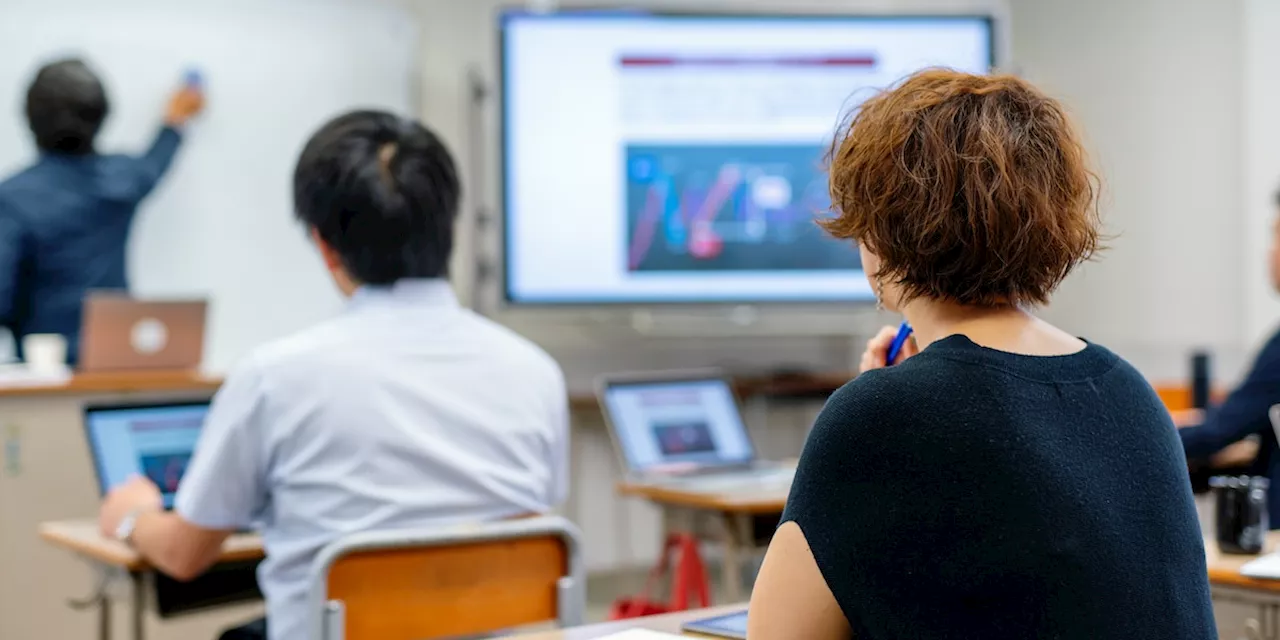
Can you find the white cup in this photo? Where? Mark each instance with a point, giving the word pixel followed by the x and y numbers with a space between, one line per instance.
pixel 45 352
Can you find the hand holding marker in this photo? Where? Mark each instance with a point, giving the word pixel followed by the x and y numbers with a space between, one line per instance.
pixel 187 101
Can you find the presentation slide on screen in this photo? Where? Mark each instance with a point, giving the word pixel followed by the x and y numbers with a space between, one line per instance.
pixel 156 443
pixel 676 424
pixel 681 159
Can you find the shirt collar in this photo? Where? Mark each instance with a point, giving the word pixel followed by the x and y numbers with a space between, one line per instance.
pixel 435 292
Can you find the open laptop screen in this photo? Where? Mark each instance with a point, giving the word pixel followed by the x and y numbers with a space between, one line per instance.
pixel 677 423
pixel 154 441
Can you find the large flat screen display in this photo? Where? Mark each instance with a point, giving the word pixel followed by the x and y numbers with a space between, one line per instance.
pixel 654 159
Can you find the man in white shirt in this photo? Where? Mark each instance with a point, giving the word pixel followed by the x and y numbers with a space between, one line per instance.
pixel 406 410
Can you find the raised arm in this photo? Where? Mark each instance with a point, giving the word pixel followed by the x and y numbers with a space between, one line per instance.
pixel 1244 413
pixel 185 104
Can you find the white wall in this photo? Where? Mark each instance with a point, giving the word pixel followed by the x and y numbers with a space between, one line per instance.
pixel 1157 87
pixel 220 225
pixel 1260 21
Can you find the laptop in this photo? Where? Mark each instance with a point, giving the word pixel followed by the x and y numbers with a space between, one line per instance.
pixel 119 333
pixel 733 625
pixel 152 440
pixel 685 430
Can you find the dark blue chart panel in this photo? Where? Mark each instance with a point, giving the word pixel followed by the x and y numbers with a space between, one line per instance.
pixel 729 208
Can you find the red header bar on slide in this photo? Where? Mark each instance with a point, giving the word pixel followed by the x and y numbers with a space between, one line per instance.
pixel 786 61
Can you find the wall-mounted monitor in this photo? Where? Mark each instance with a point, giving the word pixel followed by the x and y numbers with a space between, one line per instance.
pixel 673 158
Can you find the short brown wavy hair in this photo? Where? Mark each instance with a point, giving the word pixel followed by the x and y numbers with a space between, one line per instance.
pixel 970 189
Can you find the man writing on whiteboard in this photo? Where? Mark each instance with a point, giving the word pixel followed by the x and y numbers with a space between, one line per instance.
pixel 65 220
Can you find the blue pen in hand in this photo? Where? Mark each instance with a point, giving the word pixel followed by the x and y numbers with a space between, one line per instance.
pixel 900 340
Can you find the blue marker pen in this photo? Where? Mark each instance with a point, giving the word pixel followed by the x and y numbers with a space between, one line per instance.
pixel 895 347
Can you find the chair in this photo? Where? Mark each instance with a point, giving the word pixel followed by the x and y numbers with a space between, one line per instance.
pixel 448 582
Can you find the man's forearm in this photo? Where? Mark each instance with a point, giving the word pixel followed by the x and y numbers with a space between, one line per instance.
pixel 175 547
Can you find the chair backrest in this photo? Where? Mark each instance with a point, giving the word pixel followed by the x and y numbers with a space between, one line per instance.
pixel 448 582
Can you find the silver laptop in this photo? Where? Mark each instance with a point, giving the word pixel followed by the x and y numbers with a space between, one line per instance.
pixel 685 429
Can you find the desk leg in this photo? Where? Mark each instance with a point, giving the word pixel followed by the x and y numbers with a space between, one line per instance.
pixel 104 619
pixel 100 600
pixel 139 588
pixel 736 537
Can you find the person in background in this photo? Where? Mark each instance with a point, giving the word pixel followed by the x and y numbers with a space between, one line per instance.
pixel 65 220
pixel 1003 479
pixel 1246 411
pixel 406 410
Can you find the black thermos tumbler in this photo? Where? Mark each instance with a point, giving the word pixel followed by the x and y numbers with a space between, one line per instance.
pixel 1200 380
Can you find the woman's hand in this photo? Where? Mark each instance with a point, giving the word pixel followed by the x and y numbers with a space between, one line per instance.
pixel 878 350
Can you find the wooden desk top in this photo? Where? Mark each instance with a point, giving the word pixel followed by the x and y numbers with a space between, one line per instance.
pixel 1224 569
pixel 119 382
pixel 725 503
pixel 83 538
pixel 669 623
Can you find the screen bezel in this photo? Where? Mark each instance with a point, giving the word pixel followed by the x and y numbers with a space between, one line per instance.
pixel 605 383
pixel 95 455
pixel 511 14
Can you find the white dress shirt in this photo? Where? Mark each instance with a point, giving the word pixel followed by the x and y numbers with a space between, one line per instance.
pixel 406 410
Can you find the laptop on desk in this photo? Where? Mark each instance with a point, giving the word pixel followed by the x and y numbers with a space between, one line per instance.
pixel 157 440
pixel 684 430
pixel 120 333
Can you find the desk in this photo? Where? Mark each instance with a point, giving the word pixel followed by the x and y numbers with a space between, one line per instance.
pixel 46 474
pixel 1224 573
pixel 669 623
pixel 1231 588
pixel 119 383
pixel 114 559
pixel 725 518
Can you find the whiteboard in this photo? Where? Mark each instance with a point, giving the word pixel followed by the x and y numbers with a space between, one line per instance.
pixel 221 224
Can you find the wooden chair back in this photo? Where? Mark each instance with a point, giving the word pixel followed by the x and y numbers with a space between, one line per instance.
pixel 416 585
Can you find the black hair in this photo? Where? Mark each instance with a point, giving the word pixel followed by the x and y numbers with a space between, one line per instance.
pixel 66 105
pixel 383 192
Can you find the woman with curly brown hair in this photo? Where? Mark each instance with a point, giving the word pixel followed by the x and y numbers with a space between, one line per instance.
pixel 1003 479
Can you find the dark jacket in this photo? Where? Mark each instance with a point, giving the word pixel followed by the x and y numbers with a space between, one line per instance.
pixel 1245 413
pixel 64 227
